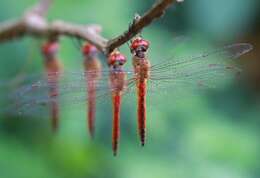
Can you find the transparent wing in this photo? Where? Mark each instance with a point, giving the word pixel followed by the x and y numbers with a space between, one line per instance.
pixel 67 82
pixel 42 82
pixel 218 56
pixel 201 78
pixel 41 105
pixel 209 69
pixel 34 98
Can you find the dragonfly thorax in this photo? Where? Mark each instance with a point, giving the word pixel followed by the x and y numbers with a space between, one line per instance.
pixel 142 67
pixel 118 81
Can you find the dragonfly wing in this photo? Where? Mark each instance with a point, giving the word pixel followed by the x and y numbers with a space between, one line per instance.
pixel 67 82
pixel 40 104
pixel 34 99
pixel 217 56
pixel 202 77
pixel 208 69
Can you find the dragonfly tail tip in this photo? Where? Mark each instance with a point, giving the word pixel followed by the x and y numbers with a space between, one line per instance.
pixel 142 143
pixel 114 153
pixel 91 134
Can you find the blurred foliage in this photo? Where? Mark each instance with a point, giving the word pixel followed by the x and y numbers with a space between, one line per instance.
pixel 212 134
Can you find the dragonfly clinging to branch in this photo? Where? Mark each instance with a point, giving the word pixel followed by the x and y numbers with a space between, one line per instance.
pixel 91 63
pixel 173 71
pixel 53 65
pixel 117 83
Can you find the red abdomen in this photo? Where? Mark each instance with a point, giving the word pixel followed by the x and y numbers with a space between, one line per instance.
pixel 91 87
pixel 93 65
pixel 53 68
pixel 141 113
pixel 116 98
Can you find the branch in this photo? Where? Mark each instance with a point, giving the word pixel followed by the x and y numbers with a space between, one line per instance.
pixel 155 12
pixel 33 23
pixel 35 27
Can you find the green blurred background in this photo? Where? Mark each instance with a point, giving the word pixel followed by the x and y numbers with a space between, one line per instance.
pixel 213 134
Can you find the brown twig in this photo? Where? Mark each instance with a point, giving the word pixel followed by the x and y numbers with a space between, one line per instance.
pixel 155 12
pixel 33 23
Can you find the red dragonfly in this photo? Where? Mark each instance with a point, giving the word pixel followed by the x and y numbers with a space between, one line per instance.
pixel 117 83
pixel 205 69
pixel 91 63
pixel 53 65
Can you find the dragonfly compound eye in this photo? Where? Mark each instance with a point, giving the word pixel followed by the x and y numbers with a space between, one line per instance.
pixel 89 49
pixel 50 48
pixel 139 44
pixel 116 58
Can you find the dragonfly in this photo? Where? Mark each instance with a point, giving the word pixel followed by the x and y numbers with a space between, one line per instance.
pixel 52 65
pixel 203 70
pixel 117 83
pixel 91 63
pixel 144 72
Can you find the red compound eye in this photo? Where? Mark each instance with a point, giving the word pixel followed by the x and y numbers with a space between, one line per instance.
pixel 88 49
pixel 116 57
pixel 121 59
pixel 139 42
pixel 50 47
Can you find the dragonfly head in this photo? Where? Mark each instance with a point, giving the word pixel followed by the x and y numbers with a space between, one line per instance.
pixel 139 46
pixel 50 48
pixel 89 50
pixel 116 59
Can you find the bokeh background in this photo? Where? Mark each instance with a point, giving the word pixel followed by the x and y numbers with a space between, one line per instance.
pixel 211 134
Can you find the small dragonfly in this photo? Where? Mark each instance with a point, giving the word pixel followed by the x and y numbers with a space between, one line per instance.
pixel 52 65
pixel 117 83
pixel 203 70
pixel 91 63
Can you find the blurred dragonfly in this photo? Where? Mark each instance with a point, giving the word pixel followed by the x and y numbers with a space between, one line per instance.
pixel 53 64
pixel 206 69
pixel 91 63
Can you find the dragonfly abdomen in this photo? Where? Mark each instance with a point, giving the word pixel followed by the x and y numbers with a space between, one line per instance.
pixel 91 107
pixel 141 113
pixel 117 82
pixel 93 66
pixel 116 99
